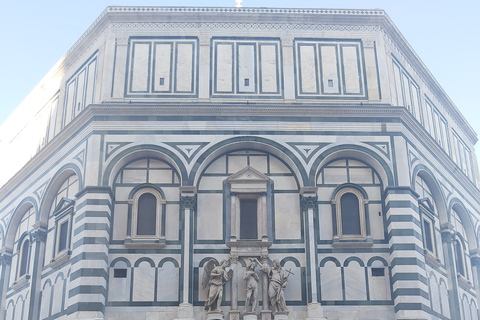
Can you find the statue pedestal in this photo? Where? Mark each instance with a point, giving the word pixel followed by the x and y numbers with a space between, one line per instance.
pixel 185 312
pixel 234 315
pixel 266 314
pixel 215 315
pixel 315 311
pixel 280 315
pixel 250 316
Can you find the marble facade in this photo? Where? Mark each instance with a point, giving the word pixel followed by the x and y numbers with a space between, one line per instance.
pixel 358 171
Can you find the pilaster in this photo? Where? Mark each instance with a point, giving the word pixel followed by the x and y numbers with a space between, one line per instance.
pixel 5 264
pixel 91 234
pixel 448 238
pixel 409 282
pixel 39 236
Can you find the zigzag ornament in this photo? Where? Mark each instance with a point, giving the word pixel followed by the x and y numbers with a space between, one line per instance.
pixel 306 149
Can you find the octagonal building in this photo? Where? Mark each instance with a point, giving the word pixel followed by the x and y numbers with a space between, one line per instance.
pixel 167 140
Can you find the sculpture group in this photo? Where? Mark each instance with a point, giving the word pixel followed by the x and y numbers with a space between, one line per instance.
pixel 214 278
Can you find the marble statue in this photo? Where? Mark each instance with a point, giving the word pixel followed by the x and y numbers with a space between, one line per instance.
pixel 251 278
pixel 277 283
pixel 214 277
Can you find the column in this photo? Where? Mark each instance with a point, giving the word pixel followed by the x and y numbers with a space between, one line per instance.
pixel 265 313
pixel 39 236
pixel 188 201
pixel 234 314
pixel 91 233
pixel 5 263
pixel 409 281
pixel 309 206
pixel 475 261
pixel 448 238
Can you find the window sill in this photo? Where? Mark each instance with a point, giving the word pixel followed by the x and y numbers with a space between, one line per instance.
pixel 141 243
pixel 463 282
pixel 22 281
pixel 359 242
pixel 60 259
pixel 431 259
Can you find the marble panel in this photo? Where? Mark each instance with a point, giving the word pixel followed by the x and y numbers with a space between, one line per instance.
pixel 434 293
pixel 287 216
pixel 20 310
pixel 351 71
pixel 379 286
pixel 57 295
pixel 406 90
pixel 465 309
pixel 90 86
pixel 246 68
pixel 218 166
pixel 269 68
pixel 69 105
pixel 211 183
pixel 398 86
pixel 325 193
pixel 45 298
pixel 122 193
pixel 162 67
pixel 285 183
pixel 120 222
pixel 308 69
pixel 119 288
pixel 329 67
pixel 160 176
pixel 276 166
pixel 360 175
pixel 168 277
pixel 9 311
pixel 79 103
pixel 355 283
pixel 331 282
pixel 259 163
pixel 335 175
pixel 49 246
pixel 224 68
pixel 236 163
pixel 134 176
pixel 142 163
pixel 374 193
pixel 172 221
pixel 376 221
pixel 209 216
pixel 184 67
pixel 444 299
pixel 140 67
pixel 325 221
pixel 293 291
pixel 156 164
pixel 143 282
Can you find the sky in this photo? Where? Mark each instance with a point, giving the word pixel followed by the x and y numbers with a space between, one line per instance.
pixel 444 34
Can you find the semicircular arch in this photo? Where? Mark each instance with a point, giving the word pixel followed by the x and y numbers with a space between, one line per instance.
pixel 21 209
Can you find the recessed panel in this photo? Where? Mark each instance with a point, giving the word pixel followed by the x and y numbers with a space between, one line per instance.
pixel 329 69
pixel 140 67
pixel 224 68
pixel 246 68
pixel 308 69
pixel 162 67
pixel 351 69
pixel 184 68
pixel 268 69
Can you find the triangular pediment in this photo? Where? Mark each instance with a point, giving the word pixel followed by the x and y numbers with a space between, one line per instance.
pixel 426 202
pixel 63 205
pixel 248 174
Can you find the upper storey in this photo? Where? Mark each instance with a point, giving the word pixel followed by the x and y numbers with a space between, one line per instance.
pixel 228 56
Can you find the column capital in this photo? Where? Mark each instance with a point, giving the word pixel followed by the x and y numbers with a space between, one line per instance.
pixel 188 202
pixel 6 258
pixel 448 232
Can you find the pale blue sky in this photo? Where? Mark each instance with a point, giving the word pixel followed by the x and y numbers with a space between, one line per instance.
pixel 445 34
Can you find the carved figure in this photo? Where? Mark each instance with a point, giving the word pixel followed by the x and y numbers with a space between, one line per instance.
pixel 252 279
pixel 215 277
pixel 276 285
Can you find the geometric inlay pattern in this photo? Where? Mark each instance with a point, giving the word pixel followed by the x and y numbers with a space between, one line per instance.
pixel 41 190
pixel 111 147
pixel 307 149
pixel 80 157
pixel 383 147
pixel 187 149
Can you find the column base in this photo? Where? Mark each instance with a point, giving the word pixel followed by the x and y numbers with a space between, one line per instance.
pixel 185 312
pixel 266 315
pixel 315 311
pixel 234 315
pixel 215 315
pixel 250 316
pixel 280 315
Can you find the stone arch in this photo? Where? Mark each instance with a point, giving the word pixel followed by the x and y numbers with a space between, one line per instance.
pixel 253 143
pixel 434 186
pixel 354 152
pixel 23 206
pixel 51 191
pixel 457 205
pixel 125 260
pixel 139 152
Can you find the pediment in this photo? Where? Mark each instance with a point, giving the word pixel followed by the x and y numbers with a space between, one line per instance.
pixel 248 174
pixel 427 203
pixel 63 205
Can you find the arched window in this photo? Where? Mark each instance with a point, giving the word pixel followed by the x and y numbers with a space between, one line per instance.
pixel 459 257
pixel 428 215
pixel 349 214
pixel 23 257
pixel 147 211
